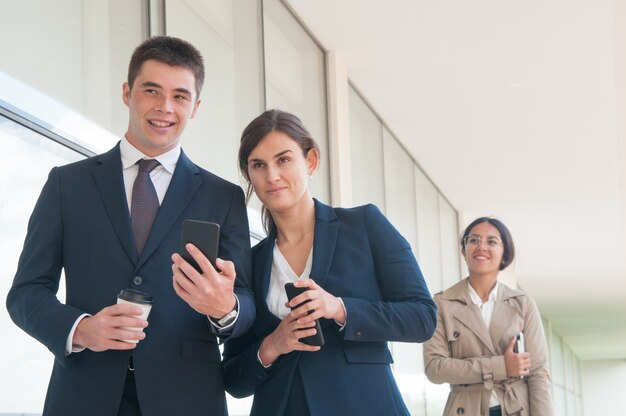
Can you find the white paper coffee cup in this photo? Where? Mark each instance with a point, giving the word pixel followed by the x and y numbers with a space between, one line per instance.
pixel 136 298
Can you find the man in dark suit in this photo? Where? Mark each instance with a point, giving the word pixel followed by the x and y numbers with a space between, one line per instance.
pixel 84 224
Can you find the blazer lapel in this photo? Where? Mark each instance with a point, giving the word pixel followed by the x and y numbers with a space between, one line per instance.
pixel 263 268
pixel 185 182
pixel 324 242
pixel 110 183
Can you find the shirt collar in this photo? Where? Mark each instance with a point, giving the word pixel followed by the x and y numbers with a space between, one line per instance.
pixel 130 155
pixel 477 300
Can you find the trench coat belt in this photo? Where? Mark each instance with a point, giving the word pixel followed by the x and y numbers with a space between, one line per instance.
pixel 511 402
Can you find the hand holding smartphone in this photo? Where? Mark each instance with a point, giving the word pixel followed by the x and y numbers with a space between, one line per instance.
pixel 317 339
pixel 520 344
pixel 205 236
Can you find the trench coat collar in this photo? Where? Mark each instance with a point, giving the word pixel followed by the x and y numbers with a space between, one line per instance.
pixel 469 314
pixel 459 292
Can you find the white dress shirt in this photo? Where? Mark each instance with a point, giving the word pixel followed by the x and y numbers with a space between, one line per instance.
pixel 486 310
pixel 161 176
pixel 276 296
pixel 283 273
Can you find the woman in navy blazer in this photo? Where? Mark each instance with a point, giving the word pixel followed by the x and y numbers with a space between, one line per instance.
pixel 364 286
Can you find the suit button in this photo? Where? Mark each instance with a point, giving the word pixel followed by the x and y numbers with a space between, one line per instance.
pixel 460 411
pixel 137 280
pixel 456 334
pixel 358 334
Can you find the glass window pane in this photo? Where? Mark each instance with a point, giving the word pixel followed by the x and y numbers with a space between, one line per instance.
pixel 579 405
pixel 557 367
pixel 568 367
pixel 428 236
pixel 578 377
pixel 399 189
pixel 25 363
pixel 366 154
pixel 295 81
pixel 436 396
pixel 450 249
pixel 560 401
pixel 84 58
pixel 232 92
pixel 408 370
pixel 571 403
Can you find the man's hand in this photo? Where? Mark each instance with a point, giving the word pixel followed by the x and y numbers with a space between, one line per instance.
pixel 103 331
pixel 210 293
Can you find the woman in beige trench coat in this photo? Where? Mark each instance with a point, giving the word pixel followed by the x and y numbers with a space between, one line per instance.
pixel 474 346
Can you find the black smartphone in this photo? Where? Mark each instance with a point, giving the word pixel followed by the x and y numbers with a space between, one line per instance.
pixel 205 236
pixel 318 338
pixel 520 344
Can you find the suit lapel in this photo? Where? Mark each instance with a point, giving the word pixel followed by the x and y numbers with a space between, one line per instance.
pixel 185 182
pixel 110 183
pixel 324 242
pixel 263 268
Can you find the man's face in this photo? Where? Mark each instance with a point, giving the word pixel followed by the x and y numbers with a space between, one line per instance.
pixel 160 102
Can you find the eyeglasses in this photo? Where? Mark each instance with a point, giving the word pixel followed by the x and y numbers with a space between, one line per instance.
pixel 475 240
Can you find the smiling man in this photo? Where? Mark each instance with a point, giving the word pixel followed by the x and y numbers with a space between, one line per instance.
pixel 91 220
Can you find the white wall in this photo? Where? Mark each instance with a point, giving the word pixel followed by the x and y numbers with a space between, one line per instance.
pixel 603 386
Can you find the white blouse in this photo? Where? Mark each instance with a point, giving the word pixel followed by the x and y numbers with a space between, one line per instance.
pixel 283 273
pixel 486 310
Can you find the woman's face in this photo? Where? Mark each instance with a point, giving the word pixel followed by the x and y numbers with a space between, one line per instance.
pixel 279 172
pixel 483 249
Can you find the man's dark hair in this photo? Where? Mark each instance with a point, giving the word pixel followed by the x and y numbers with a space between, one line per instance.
pixel 171 51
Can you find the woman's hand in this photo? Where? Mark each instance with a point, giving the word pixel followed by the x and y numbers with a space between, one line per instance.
pixel 285 338
pixel 321 303
pixel 517 364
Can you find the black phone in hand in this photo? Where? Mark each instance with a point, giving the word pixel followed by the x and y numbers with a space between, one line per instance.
pixel 317 339
pixel 520 343
pixel 205 236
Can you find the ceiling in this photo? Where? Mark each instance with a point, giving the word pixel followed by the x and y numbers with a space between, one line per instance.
pixel 513 109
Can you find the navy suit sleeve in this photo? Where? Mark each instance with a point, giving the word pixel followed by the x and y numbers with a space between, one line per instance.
pixel 235 246
pixel 406 312
pixel 242 370
pixel 32 301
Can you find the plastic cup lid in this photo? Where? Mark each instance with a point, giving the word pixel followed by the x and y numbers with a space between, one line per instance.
pixel 133 295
